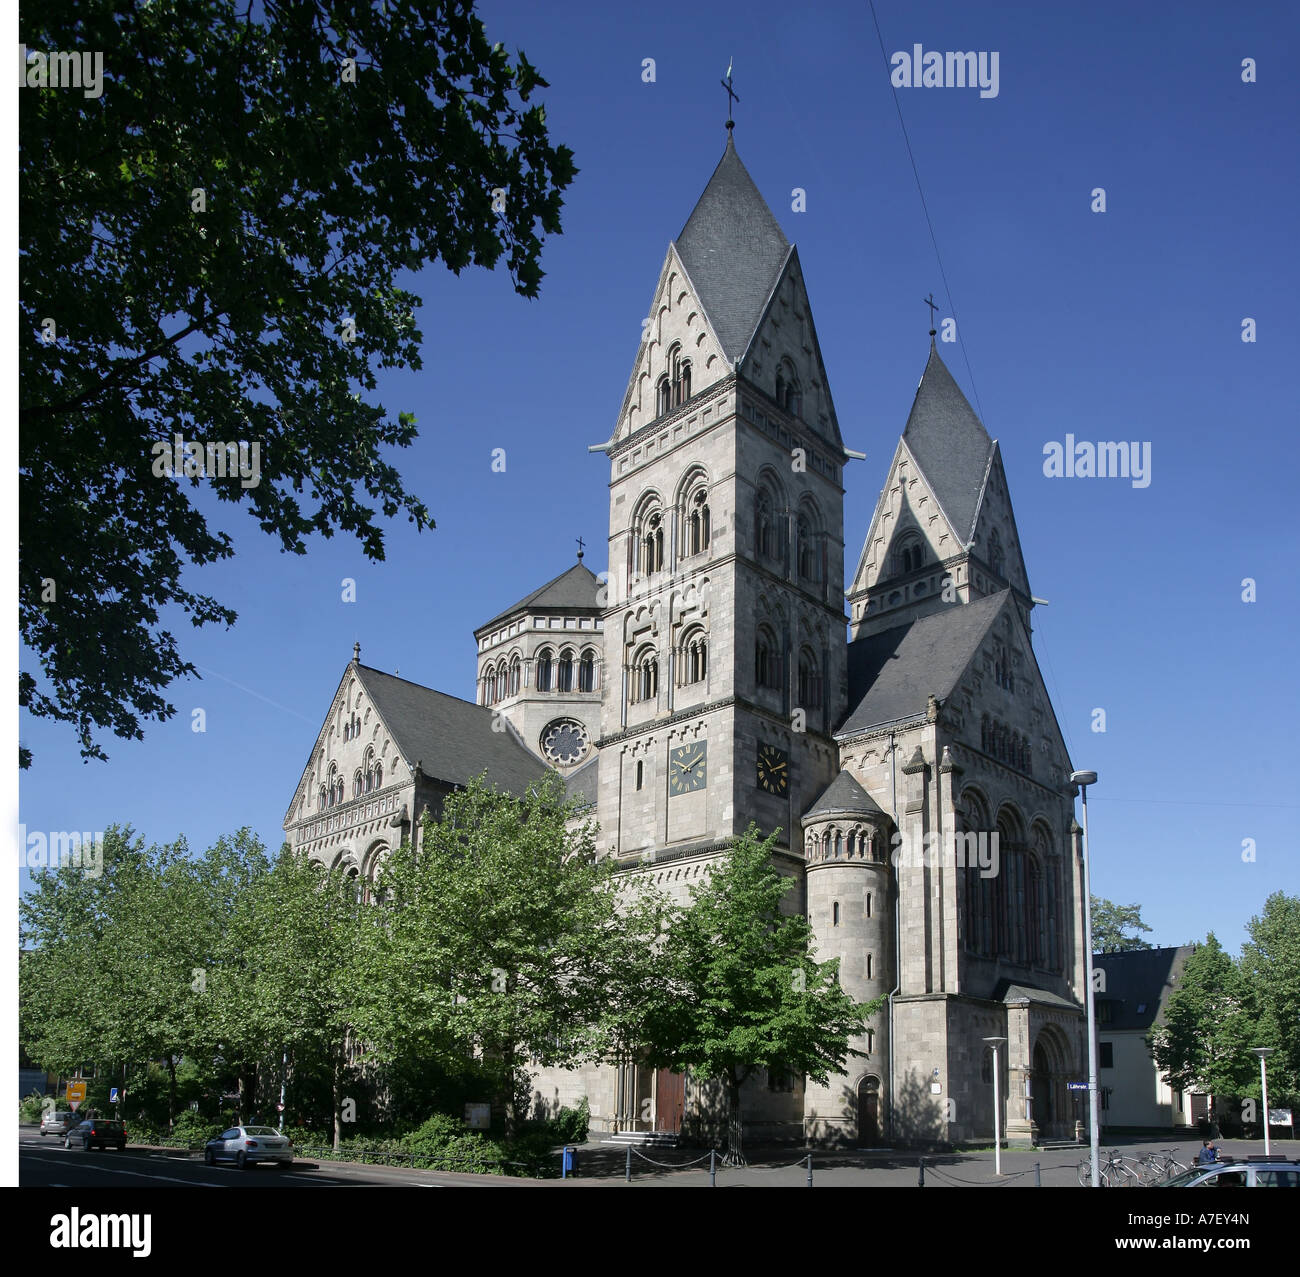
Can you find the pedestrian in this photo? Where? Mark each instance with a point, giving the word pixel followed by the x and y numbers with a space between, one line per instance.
pixel 1208 1153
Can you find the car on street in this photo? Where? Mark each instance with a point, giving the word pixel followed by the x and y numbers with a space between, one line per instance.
pixel 248 1145
pixel 1239 1172
pixel 99 1131
pixel 58 1121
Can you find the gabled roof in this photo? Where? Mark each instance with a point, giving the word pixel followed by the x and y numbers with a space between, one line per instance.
pixel 892 674
pixel 733 250
pixel 574 590
pixel 452 740
pixel 1138 984
pixel 1009 991
pixel 843 794
pixel 950 445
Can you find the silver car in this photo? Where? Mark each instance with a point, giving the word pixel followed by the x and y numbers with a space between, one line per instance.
pixel 58 1122
pixel 246 1145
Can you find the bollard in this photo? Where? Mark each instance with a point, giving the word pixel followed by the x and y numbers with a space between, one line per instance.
pixel 713 1168
pixel 564 1164
pixel 920 1174
pixel 809 1170
pixel 1038 1174
pixel 627 1170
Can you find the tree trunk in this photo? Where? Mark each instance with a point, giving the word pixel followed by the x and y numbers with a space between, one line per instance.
pixel 508 1072
pixel 337 1089
pixel 247 1079
pixel 735 1155
pixel 171 1094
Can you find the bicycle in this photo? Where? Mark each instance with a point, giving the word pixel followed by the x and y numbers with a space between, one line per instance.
pixel 1162 1165
pixel 1113 1173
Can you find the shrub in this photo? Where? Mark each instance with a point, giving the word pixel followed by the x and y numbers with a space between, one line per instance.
pixel 194 1127
pixel 30 1107
pixel 535 1153
pixel 571 1124
pixel 443 1143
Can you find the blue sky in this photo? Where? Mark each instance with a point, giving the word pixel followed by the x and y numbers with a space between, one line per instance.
pixel 1122 325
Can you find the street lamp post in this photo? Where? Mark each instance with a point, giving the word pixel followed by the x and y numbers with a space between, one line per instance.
pixel 1083 780
pixel 1264 1052
pixel 997 1104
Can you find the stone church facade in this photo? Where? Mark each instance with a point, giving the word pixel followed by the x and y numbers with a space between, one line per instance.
pixel 913 765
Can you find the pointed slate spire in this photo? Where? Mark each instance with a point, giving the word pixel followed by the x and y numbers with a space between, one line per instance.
pixel 950 445
pixel 733 249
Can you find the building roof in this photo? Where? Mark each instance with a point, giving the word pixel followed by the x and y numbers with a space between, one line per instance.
pixel 581 785
pixel 452 740
pixel 1138 985
pixel 950 445
pixel 574 590
pixel 843 794
pixel 892 674
pixel 1009 991
pixel 733 250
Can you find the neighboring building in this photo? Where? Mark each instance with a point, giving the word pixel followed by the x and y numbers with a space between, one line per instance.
pixel 715 685
pixel 1132 998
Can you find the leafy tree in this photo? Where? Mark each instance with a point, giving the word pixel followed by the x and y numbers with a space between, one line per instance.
pixel 1116 928
pixel 743 989
pixel 1204 1037
pixel 216 239
pixel 1270 961
pixel 493 939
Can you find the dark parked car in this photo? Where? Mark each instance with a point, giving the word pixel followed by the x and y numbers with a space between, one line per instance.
pixel 99 1130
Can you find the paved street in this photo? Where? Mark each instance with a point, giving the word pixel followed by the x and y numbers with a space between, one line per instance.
pixel 45 1163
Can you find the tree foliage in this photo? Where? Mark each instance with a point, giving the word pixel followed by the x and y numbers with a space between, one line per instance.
pixel 743 991
pixel 217 240
pixel 1204 1036
pixel 1117 928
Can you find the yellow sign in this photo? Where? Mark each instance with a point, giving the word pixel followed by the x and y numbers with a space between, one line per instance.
pixel 76 1092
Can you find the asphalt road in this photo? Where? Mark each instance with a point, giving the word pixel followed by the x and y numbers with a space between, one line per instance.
pixel 43 1162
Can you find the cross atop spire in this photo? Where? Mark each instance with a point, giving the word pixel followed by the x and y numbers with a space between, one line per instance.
pixel 732 96
pixel 933 305
pixel 581 543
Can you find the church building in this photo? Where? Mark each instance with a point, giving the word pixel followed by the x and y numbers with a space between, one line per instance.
pixel 898 733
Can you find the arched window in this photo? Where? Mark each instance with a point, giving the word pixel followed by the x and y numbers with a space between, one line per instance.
pixel 515 670
pixel 788 395
pixel 997 559
pixel 681 376
pixel 566 672
pixel 356 784
pixel 379 775
pixel 650 541
pixel 1035 919
pixel 663 396
pixel 645 675
pixel 587 672
pixel 810 683
pixel 695 657
pixel 544 671
pixel 809 551
pixel 697 522
pixel 323 799
pixel 765 526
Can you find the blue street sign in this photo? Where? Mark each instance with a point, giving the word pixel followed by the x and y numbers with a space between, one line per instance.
pixel 112 1095
pixel 1076 1086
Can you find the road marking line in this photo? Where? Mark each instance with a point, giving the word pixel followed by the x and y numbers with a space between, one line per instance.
pixel 109 1170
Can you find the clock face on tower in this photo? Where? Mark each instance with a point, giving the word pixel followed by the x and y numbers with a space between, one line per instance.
pixel 686 768
pixel 773 769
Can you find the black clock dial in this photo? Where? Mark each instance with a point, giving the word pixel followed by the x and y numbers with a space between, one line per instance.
pixel 773 769
pixel 687 768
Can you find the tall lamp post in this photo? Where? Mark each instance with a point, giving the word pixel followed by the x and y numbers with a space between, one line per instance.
pixel 997 1105
pixel 1264 1052
pixel 1083 780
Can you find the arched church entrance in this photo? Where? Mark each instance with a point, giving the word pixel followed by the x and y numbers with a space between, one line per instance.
pixel 1050 1109
pixel 869 1112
